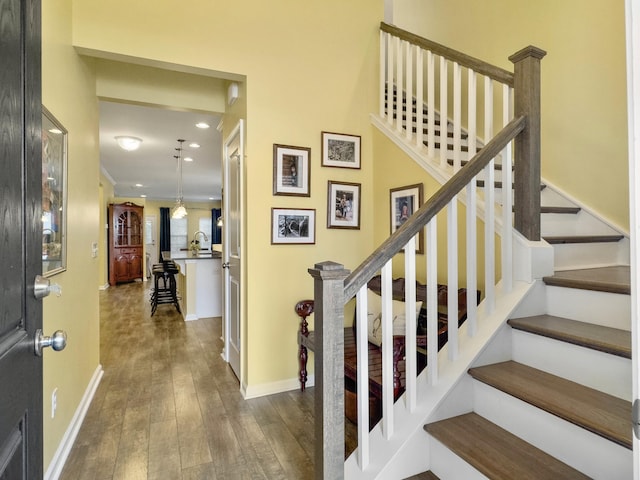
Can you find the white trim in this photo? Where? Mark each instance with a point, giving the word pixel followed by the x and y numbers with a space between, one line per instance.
pixel 272 388
pixel 107 176
pixel 62 453
pixel 632 19
pixel 103 287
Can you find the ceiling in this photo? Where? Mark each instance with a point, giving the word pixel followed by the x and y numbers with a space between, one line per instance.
pixel 153 165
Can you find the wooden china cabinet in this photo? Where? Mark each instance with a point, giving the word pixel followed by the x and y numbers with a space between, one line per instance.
pixel 125 242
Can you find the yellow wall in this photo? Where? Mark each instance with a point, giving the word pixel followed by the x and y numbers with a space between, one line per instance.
pixel 584 123
pixel 393 169
pixel 309 67
pixel 68 92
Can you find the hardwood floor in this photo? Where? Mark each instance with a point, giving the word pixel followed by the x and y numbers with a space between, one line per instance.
pixel 169 407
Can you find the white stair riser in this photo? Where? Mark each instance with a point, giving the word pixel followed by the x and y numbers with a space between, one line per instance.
pixel 607 373
pixel 599 308
pixel 447 465
pixel 580 223
pixel 589 453
pixel 587 255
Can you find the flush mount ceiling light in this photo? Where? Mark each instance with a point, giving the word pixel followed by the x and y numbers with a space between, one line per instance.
pixel 128 143
pixel 194 145
pixel 202 125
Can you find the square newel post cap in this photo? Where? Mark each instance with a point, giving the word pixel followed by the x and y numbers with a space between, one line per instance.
pixel 328 270
pixel 529 51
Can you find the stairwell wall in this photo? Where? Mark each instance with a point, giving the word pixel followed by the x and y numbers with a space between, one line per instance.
pixel 584 123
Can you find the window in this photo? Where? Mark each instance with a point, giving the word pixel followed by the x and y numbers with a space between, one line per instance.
pixel 204 225
pixel 179 236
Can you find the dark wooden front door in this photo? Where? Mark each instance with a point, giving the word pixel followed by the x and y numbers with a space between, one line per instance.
pixel 20 239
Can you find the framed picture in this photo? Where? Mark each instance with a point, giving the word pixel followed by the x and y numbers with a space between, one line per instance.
pixel 293 226
pixel 291 173
pixel 54 195
pixel 343 205
pixel 404 202
pixel 339 150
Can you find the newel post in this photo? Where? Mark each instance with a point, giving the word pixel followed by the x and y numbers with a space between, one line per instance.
pixel 329 302
pixel 526 87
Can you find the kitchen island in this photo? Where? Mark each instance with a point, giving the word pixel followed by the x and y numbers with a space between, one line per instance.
pixel 199 283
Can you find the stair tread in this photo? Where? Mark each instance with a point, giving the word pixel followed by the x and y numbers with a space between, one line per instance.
pixel 613 279
pixel 498 184
pixel 552 209
pixel 495 452
pixel 595 411
pixel 596 337
pixel 558 239
pixel 424 476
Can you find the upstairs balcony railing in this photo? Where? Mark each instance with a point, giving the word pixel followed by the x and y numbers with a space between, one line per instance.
pixel 418 70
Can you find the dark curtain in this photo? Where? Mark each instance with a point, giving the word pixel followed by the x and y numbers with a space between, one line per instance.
pixel 216 231
pixel 165 230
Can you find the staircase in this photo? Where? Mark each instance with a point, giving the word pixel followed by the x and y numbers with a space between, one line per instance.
pixel 557 402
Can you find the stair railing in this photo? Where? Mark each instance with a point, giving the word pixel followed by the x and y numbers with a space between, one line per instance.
pixel 334 286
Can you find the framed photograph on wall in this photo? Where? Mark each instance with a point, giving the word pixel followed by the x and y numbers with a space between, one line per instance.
pixel 291 172
pixel 293 226
pixel 54 195
pixel 343 205
pixel 340 150
pixel 404 203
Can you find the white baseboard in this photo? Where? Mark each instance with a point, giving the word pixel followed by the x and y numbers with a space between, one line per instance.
pixel 62 453
pixel 103 287
pixel 255 391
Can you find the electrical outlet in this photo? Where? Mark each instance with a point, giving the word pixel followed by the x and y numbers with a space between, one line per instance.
pixel 54 402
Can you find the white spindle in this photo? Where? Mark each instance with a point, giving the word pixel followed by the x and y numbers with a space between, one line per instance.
pixel 362 341
pixel 383 72
pixel 507 198
pixel 399 84
pixel 391 81
pixel 472 236
pixel 457 116
pixel 409 92
pixel 444 114
pixel 411 367
pixel 419 98
pixel 431 103
pixel 489 200
pixel 452 278
pixel 387 351
pixel 432 301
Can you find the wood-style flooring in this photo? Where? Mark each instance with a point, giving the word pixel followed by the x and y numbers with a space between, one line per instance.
pixel 169 408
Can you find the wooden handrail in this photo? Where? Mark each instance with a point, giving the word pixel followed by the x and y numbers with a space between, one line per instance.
pixel 477 65
pixel 430 208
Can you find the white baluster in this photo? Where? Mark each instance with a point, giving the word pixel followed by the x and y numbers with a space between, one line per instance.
pixel 452 275
pixel 387 351
pixel 457 116
pixel 472 237
pixel 383 73
pixel 507 198
pixel 409 92
pixel 444 92
pixel 362 345
pixel 411 367
pixel 489 199
pixel 419 98
pixel 431 104
pixel 399 83
pixel 391 65
pixel 432 301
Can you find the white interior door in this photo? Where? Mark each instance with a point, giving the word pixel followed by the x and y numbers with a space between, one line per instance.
pixel 150 241
pixel 232 247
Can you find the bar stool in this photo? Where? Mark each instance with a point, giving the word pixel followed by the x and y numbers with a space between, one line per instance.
pixel 164 285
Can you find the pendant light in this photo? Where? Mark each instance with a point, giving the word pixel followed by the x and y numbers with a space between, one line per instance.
pixel 179 211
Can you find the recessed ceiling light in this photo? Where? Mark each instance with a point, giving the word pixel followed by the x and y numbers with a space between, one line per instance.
pixel 143 196
pixel 202 125
pixel 211 198
pixel 128 143
pixel 138 184
pixel 194 145
pixel 188 159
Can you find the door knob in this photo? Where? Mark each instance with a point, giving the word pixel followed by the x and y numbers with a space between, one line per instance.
pixel 225 265
pixel 57 341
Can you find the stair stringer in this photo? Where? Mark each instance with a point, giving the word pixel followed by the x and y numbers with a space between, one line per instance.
pixel 403 454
